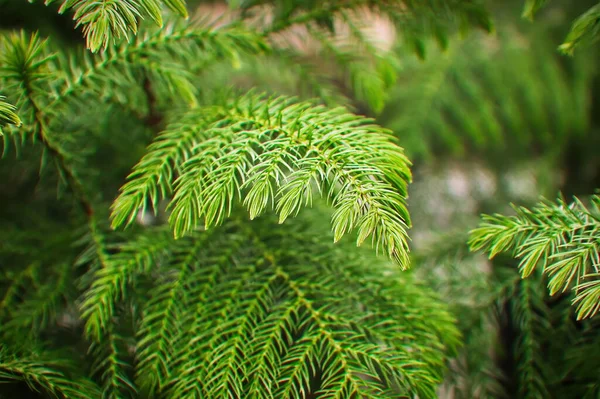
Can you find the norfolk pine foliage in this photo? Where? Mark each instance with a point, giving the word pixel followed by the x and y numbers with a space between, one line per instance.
pixel 561 239
pixel 203 303
pixel 212 305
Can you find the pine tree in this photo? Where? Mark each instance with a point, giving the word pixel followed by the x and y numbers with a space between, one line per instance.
pixel 179 193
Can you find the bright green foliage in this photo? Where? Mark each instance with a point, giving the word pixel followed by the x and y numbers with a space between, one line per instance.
pixel 189 47
pixel 260 322
pixel 235 277
pixel 253 311
pixel 561 239
pixel 273 153
pixel 113 276
pixel 7 114
pixel 24 68
pixel 232 307
pixel 109 20
pixel 519 342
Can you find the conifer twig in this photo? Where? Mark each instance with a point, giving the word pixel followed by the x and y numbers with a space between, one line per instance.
pixel 42 130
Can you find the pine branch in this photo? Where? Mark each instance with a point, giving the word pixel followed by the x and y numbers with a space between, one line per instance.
pixel 365 367
pixel 107 353
pixel 223 381
pixel 46 375
pixel 7 114
pixel 561 239
pixel 24 71
pixel 587 296
pixel 163 314
pixel 256 149
pixel 117 65
pixel 217 334
pixel 39 310
pixel 26 63
pixel 532 321
pixel 110 20
pixel 112 280
pixel 264 350
pixel 243 320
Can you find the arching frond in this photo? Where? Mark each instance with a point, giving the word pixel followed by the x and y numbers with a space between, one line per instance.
pixel 270 153
pixel 195 300
pixel 559 238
